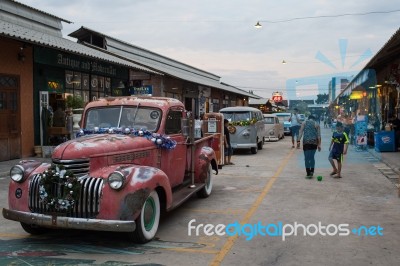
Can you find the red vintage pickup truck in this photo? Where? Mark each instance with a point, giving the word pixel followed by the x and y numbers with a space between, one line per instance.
pixel 132 160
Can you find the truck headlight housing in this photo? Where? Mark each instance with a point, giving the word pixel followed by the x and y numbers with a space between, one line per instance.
pixel 116 180
pixel 272 132
pixel 17 173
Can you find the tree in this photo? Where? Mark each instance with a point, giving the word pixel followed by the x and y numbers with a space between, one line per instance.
pixel 322 98
pixel 302 107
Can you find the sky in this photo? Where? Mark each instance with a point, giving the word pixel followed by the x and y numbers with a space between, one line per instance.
pixel 220 37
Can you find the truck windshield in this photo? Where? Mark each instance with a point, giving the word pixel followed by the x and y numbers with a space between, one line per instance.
pixel 123 117
pixel 237 116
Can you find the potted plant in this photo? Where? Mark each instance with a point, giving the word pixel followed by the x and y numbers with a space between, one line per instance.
pixel 76 103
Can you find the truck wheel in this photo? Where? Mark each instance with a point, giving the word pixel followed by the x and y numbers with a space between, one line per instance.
pixel 148 220
pixel 254 150
pixel 33 229
pixel 207 189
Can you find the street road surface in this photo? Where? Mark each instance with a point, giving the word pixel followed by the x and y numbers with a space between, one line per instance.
pixel 267 190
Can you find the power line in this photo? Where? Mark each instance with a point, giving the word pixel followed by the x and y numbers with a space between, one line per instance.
pixel 331 16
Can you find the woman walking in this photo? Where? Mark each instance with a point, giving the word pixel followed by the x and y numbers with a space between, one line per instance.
pixel 311 133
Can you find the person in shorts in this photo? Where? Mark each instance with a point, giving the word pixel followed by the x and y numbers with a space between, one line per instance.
pixel 338 148
pixel 295 123
pixel 227 144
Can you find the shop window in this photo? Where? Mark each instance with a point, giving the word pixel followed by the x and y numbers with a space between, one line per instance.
pixel 7 81
pixel 215 103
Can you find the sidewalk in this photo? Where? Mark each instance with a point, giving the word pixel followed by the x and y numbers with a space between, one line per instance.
pixel 391 159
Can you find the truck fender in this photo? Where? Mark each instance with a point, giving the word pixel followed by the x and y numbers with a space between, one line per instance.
pixel 18 198
pixel 205 157
pixel 139 182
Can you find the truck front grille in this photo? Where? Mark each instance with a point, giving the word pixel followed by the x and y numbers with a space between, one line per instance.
pixel 79 167
pixel 87 206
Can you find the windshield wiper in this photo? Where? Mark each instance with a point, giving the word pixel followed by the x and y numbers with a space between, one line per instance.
pixel 136 111
pixel 119 118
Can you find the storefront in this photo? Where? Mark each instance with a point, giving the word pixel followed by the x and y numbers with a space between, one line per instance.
pixel 16 136
pixel 374 94
pixel 58 75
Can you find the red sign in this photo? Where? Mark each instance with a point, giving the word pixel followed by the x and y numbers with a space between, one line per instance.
pixel 277 98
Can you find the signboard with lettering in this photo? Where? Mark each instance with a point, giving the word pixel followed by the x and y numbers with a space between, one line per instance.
pixel 212 125
pixel 77 63
pixel 277 97
pixel 143 90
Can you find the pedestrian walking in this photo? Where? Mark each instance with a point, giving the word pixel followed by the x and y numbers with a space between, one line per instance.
pixel 227 143
pixel 295 123
pixel 338 148
pixel 310 132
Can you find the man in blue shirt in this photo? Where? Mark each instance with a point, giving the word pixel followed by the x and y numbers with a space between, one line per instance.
pixel 338 148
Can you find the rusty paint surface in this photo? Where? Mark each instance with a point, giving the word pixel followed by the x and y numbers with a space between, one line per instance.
pixel 133 203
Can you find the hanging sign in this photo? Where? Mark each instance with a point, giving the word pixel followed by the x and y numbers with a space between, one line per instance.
pixel 277 97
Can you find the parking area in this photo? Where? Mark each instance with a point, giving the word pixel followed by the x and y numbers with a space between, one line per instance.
pixel 267 188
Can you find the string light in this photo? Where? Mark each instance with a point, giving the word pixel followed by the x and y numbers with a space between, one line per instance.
pixel 331 16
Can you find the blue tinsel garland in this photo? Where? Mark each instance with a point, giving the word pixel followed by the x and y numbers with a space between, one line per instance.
pixel 161 141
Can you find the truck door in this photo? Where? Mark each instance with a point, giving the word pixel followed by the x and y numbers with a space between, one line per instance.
pixel 173 162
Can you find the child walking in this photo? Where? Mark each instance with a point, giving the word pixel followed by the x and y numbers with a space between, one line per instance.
pixel 338 148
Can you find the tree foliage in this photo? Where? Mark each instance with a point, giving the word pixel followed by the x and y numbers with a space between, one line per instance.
pixel 322 98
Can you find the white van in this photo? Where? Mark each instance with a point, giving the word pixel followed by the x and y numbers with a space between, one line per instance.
pixel 246 127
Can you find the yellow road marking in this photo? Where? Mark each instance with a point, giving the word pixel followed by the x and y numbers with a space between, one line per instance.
pixel 231 240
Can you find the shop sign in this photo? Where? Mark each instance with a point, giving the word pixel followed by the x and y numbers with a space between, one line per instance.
pixel 77 63
pixel 277 97
pixel 212 125
pixel 143 90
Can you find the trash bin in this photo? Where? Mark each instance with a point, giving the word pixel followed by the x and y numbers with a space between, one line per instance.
pixel 384 141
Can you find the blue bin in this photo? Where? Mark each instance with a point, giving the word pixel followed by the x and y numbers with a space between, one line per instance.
pixel 385 141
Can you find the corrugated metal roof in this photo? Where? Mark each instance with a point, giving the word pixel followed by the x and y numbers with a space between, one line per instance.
pixel 391 42
pixel 141 54
pixel 35 37
pixel 48 14
pixel 161 63
pixel 258 101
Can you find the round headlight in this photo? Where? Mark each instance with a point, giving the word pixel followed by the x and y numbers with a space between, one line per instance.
pixel 17 173
pixel 116 180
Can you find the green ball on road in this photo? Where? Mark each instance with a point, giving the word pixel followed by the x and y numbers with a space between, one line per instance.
pixel 319 178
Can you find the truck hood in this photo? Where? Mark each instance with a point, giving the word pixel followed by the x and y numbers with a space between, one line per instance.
pixel 101 144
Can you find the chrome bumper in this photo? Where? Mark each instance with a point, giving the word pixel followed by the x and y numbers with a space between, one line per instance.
pixel 244 146
pixel 69 222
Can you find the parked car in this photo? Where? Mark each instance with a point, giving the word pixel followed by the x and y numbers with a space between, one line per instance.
pixel 284 119
pixel 129 163
pixel 273 128
pixel 246 126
